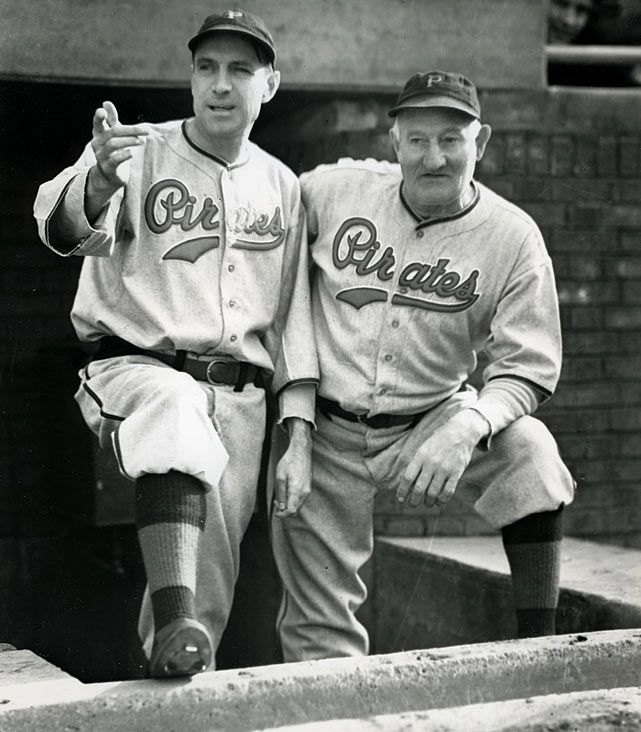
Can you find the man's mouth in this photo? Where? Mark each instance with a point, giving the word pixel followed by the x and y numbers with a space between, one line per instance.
pixel 221 107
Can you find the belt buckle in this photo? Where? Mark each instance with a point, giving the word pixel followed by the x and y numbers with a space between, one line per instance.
pixel 215 362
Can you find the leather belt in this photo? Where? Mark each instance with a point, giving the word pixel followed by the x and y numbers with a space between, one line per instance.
pixel 217 370
pixel 377 421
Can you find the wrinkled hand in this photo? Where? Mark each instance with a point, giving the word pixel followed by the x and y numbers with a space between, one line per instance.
pixel 294 470
pixel 112 143
pixel 435 470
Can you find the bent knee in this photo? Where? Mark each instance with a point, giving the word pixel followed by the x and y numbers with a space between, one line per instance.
pixel 528 437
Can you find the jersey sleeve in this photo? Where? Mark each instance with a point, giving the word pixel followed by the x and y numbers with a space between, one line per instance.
pixel 525 337
pixel 307 184
pixel 291 341
pixel 59 211
pixel 502 401
pixel 298 400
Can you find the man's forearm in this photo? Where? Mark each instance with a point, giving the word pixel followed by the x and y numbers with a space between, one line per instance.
pixel 300 430
pixel 98 191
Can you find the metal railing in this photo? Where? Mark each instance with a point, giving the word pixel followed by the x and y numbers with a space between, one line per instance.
pixel 594 55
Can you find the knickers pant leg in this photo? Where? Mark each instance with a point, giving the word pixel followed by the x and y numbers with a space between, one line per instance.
pixel 521 474
pixel 155 418
pixel 320 551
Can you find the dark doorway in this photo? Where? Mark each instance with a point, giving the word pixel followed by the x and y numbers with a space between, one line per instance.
pixel 73 588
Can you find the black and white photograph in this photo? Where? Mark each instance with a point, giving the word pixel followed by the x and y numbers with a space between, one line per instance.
pixel 320 366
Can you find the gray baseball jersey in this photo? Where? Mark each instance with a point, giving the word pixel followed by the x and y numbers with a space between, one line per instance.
pixel 403 306
pixel 192 254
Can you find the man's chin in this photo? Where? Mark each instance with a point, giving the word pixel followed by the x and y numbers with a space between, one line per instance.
pixel 430 195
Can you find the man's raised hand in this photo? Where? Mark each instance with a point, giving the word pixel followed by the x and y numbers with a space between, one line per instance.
pixel 113 143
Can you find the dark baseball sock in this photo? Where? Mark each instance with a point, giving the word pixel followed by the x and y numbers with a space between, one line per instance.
pixel 533 549
pixel 170 517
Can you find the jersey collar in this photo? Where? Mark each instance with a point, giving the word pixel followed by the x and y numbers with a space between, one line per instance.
pixel 439 219
pixel 216 158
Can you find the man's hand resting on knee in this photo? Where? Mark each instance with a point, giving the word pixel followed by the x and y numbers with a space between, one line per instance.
pixel 433 473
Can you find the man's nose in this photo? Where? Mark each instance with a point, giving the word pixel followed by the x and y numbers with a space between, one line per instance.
pixel 222 83
pixel 433 157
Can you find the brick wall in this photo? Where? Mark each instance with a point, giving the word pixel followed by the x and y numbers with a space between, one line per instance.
pixel 572 159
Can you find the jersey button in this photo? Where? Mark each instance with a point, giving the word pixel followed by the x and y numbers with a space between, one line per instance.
pixel 403 290
pixel 230 267
pixel 395 323
pixel 419 234
pixel 382 391
pixel 232 338
pixel 388 357
pixel 232 303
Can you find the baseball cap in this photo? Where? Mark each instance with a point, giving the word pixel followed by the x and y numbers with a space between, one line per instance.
pixel 236 20
pixel 438 89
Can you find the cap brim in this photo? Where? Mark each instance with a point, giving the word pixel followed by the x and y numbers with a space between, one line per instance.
pixel 427 102
pixel 232 29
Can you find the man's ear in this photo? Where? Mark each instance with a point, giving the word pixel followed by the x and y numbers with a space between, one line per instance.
pixel 273 82
pixel 393 136
pixel 482 138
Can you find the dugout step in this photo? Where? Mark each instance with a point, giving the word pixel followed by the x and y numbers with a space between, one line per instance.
pixel 429 593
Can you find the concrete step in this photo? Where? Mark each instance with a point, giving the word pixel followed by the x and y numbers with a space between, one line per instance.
pixel 444 591
pixel 338 689
pixel 607 710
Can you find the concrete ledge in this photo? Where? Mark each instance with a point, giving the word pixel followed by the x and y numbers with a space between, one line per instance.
pixel 451 590
pixel 597 711
pixel 270 696
pixel 24 667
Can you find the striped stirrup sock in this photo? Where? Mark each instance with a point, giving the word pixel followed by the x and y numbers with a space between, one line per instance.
pixel 170 517
pixel 533 549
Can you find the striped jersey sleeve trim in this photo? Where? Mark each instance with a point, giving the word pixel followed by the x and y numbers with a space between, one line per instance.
pixel 546 392
pixel 75 246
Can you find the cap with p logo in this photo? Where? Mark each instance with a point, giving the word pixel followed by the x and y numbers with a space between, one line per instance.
pixel 240 21
pixel 438 89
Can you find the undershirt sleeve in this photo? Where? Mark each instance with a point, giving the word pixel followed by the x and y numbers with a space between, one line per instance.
pixel 502 401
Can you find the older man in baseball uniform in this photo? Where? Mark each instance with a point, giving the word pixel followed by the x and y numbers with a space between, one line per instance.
pixel 418 269
pixel 195 288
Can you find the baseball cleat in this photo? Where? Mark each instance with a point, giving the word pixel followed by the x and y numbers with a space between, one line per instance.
pixel 181 648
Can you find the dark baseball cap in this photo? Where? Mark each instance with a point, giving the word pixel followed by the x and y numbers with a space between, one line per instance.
pixel 438 89
pixel 236 20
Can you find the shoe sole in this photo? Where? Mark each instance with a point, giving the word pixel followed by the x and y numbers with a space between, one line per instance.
pixel 182 648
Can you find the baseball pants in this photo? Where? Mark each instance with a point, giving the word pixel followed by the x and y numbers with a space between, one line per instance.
pixel 158 419
pixel 320 551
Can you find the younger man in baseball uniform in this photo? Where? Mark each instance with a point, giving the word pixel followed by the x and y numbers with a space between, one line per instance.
pixel 419 268
pixel 195 288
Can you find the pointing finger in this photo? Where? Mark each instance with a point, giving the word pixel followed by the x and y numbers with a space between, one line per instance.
pixel 112 113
